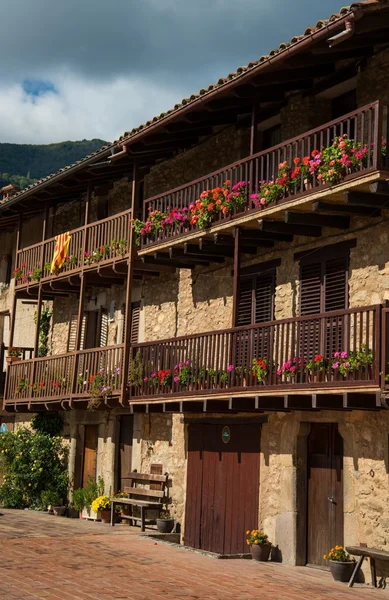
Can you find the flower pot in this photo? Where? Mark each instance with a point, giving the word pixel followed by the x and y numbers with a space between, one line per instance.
pixel 165 525
pixel 341 571
pixel 104 516
pixel 59 511
pixel 260 552
pixel 72 513
pixel 11 359
pixel 88 513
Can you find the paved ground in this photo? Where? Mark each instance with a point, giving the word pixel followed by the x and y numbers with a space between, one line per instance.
pixel 51 557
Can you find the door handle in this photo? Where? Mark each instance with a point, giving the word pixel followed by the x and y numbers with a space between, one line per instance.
pixel 332 500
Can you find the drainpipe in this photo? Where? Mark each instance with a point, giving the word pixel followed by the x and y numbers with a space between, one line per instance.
pixel 346 34
pixel 123 152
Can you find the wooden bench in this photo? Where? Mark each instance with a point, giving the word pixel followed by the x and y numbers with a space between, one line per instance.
pixel 379 560
pixel 142 497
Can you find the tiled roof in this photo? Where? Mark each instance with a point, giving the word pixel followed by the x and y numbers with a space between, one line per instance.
pixel 241 71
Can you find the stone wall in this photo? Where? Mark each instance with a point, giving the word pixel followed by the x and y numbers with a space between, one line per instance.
pixel 223 148
pixel 372 81
pixel 302 114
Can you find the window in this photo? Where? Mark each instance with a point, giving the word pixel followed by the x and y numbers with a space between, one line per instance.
pixel 135 317
pixel 271 137
pixel 323 288
pixel 94 330
pixel 341 105
pixel 256 298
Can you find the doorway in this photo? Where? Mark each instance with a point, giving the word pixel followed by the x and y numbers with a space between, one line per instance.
pixel 90 453
pixel 325 491
pixel 222 496
pixel 125 451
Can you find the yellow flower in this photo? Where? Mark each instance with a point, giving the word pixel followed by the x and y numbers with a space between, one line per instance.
pixel 256 541
pixel 248 532
pixel 29 485
pixel 248 542
pixel 40 470
pixel 325 557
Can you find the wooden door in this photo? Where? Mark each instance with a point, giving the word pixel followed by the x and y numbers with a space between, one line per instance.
pixel 90 453
pixel 325 491
pixel 125 450
pixel 222 486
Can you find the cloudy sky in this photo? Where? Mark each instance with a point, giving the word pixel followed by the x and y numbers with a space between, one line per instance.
pixel 73 69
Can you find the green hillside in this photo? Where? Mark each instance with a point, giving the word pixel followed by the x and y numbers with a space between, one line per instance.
pixel 22 164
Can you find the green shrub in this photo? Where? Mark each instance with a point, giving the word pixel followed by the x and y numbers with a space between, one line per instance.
pixel 50 497
pixel 50 423
pixel 78 499
pixel 31 463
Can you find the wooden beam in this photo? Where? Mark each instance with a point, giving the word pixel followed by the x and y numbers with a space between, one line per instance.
pixel 150 260
pixel 283 75
pixel 366 199
pixel 336 222
pixel 180 253
pixel 210 247
pixel 279 227
pixel 345 209
pixel 249 235
pixel 190 252
pixel 237 262
pixel 248 248
pixel 379 187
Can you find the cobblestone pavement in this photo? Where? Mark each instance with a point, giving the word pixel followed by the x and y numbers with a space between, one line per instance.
pixel 51 557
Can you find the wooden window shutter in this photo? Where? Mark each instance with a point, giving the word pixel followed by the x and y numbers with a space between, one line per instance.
pixel 103 328
pixel 244 316
pixel 310 288
pixel 72 335
pixel 264 297
pixel 335 284
pixel 135 317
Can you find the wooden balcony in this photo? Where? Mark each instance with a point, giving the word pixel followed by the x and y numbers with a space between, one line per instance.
pixel 97 247
pixel 330 353
pixel 367 126
pixel 66 378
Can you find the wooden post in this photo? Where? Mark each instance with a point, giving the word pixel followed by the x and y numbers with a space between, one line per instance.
pixel 42 259
pixel 13 313
pixel 79 330
pixel 235 302
pixel 86 220
pixel 253 128
pixel 128 315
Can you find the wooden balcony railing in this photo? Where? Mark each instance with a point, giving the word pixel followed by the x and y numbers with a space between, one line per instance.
pixel 335 349
pixel 367 125
pixel 87 373
pixel 97 243
pixel 26 354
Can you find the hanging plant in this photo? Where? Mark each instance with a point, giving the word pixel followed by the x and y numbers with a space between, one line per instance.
pixel 44 330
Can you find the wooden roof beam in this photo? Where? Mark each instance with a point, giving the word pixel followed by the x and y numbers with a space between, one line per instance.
pixel 253 234
pixel 367 199
pixel 334 221
pixel 280 227
pixel 343 209
pixel 150 260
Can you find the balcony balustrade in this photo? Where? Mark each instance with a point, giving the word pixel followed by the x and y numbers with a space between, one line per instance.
pixel 332 350
pixel 367 127
pixel 94 373
pixel 100 243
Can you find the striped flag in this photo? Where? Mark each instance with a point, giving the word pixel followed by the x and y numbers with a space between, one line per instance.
pixel 60 251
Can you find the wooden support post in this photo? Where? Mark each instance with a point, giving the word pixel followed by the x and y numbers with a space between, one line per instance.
pixel 13 313
pixel 42 261
pixel 79 330
pixel 236 278
pixel 128 315
pixel 86 221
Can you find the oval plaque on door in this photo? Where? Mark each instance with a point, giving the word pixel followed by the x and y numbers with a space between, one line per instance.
pixel 226 434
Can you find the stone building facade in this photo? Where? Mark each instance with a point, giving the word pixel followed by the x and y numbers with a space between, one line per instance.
pixel 188 302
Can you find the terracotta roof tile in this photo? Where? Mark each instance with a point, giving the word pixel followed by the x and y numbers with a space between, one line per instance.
pixel 221 82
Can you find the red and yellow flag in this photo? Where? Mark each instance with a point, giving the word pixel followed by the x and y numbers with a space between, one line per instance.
pixel 60 251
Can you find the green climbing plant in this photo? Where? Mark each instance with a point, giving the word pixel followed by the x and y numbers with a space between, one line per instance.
pixel 44 330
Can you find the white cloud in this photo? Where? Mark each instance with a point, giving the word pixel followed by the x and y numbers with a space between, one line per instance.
pixel 81 109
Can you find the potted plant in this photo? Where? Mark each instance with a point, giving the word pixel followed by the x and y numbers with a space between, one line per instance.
pixel 93 490
pixel 341 565
pixel 260 546
pixel 50 500
pixel 316 366
pixel 79 500
pixel 165 522
pixel 259 369
pixel 122 509
pixel 101 506
pixel 13 354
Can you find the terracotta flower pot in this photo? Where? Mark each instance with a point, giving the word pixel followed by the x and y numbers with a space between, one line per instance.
pixel 105 516
pixel 260 552
pixel 11 359
pixel 341 571
pixel 59 511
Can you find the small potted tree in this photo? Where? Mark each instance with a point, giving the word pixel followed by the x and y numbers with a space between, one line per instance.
pixel 341 565
pixel 78 501
pixel 165 523
pixel 260 546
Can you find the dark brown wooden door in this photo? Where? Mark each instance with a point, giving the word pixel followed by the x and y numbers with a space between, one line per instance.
pixel 125 450
pixel 325 491
pixel 90 453
pixel 222 498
